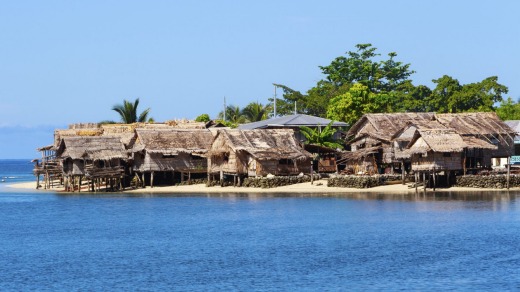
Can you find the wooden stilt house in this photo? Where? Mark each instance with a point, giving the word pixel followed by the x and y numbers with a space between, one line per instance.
pixel 47 166
pixel 159 154
pixel 243 153
pixel 97 160
pixel 442 151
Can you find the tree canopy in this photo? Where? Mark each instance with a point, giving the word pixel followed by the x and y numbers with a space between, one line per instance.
pixel 363 82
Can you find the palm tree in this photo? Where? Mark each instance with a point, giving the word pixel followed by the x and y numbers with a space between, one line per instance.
pixel 233 115
pixel 255 112
pixel 322 137
pixel 128 112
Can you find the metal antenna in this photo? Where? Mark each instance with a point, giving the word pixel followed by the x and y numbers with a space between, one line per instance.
pixel 274 102
pixel 224 108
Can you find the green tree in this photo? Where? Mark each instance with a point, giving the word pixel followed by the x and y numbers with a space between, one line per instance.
pixel 349 107
pixel 361 67
pixel 254 112
pixel 321 137
pixel 128 112
pixel 449 96
pixel 509 110
pixel 203 118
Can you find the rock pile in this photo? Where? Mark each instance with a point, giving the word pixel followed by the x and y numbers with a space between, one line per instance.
pixel 354 181
pixel 277 181
pixel 487 181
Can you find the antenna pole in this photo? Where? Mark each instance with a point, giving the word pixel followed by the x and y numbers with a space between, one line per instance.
pixel 274 102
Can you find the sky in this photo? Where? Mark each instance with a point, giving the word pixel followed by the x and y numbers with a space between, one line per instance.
pixel 65 62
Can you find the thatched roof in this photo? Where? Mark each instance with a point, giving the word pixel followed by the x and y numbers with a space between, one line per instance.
pixel 59 134
pixel 92 148
pixel 347 156
pixel 46 148
pixel 186 124
pixel 265 144
pixel 408 131
pixel 481 123
pixel 437 140
pixel 173 141
pixel 386 125
pixel 444 140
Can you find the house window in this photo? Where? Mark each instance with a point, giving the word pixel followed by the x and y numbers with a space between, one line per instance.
pixel 447 154
pixel 285 161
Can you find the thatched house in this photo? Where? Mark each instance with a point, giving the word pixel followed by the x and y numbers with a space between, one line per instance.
pixel 371 141
pixel 486 126
pixel 381 138
pixel 93 158
pixel 47 166
pixel 165 151
pixel 443 150
pixel 257 153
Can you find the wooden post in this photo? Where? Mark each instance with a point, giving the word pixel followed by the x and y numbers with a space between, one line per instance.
pixel 312 172
pixel 424 179
pixel 448 178
pixel 508 171
pixel 416 175
pixel 182 176
pixel 402 171
pixel 221 178
pixel 234 180
pixel 37 181
pixel 151 179
pixel 189 177
pixel 464 164
pixel 434 179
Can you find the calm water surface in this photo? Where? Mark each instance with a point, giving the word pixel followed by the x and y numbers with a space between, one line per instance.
pixel 50 241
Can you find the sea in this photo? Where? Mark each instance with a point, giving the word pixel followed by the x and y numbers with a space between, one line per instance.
pixel 53 241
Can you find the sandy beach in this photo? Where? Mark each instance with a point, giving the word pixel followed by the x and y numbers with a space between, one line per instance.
pixel 318 187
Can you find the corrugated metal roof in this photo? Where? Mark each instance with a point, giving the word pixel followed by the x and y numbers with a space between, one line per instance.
pixel 515 125
pixel 291 121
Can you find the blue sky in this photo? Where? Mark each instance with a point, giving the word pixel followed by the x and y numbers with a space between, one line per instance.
pixel 63 62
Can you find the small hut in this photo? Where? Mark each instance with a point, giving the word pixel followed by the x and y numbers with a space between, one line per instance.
pixel 48 167
pixel 486 126
pixel 442 150
pixel 166 151
pixel 94 158
pixel 257 153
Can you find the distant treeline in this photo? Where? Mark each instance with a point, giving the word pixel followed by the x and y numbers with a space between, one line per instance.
pixel 363 81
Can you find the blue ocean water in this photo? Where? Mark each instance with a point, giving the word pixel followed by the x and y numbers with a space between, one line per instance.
pixel 52 241
pixel 15 170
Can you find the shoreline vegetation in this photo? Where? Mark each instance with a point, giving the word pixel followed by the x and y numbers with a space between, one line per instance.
pixel 306 188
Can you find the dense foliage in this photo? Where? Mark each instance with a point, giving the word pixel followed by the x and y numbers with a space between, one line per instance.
pixel 363 81
pixel 321 137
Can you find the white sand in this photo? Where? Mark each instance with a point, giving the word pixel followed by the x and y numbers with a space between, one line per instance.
pixel 302 188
